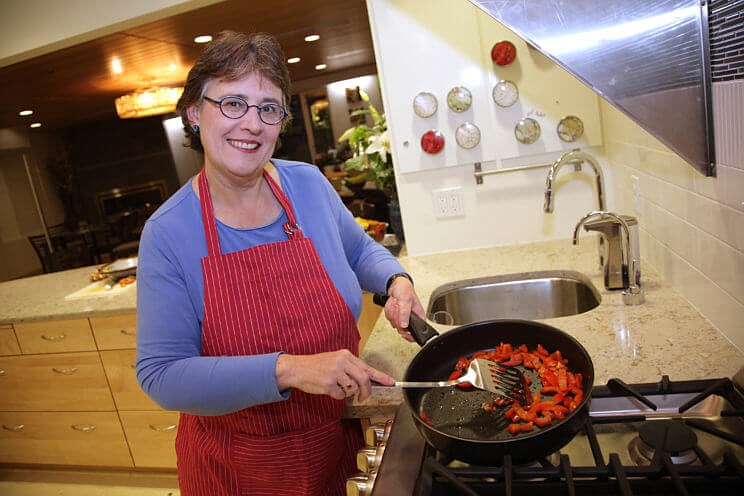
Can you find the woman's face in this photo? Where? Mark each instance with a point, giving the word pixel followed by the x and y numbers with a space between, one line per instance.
pixel 237 148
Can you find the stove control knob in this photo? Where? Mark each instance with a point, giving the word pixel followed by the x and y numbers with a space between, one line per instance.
pixel 377 433
pixel 360 484
pixel 369 458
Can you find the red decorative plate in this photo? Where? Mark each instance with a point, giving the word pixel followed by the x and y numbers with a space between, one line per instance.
pixel 432 141
pixel 503 53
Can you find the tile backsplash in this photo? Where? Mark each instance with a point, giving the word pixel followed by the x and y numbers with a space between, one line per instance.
pixel 692 227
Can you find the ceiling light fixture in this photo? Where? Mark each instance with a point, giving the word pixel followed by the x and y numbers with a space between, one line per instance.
pixel 205 38
pixel 35 124
pixel 147 102
pixel 293 60
pixel 321 67
pixel 312 37
pixel 25 112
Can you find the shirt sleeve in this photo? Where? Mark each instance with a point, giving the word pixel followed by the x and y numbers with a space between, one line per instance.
pixel 372 263
pixel 170 368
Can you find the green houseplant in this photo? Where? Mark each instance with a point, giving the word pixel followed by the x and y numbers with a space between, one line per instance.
pixel 371 156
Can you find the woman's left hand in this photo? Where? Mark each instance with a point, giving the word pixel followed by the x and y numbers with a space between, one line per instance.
pixel 403 300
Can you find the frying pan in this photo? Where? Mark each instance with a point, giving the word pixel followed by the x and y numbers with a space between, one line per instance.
pixel 459 426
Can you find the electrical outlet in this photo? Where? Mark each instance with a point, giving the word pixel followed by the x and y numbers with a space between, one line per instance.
pixel 448 202
pixel 636 182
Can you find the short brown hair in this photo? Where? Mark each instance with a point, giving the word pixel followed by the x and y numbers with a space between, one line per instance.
pixel 233 55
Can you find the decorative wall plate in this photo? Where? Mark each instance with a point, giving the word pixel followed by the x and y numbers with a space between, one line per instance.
pixel 505 93
pixel 432 141
pixel 503 52
pixel 459 99
pixel 570 128
pixel 425 104
pixel 467 135
pixel 527 130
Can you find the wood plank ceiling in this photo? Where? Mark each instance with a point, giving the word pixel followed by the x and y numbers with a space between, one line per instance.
pixel 77 85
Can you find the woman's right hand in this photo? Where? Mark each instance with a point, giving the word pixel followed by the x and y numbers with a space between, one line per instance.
pixel 339 374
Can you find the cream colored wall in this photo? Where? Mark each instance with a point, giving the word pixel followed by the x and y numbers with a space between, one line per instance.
pixel 692 227
pixel 30 28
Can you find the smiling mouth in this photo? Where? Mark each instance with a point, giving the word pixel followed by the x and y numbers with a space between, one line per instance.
pixel 243 145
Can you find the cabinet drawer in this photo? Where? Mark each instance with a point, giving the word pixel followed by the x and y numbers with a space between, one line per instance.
pixel 151 437
pixel 55 336
pixel 119 367
pixel 64 438
pixel 8 341
pixel 64 381
pixel 114 332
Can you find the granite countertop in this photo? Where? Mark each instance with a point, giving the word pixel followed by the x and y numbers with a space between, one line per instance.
pixel 43 297
pixel 663 336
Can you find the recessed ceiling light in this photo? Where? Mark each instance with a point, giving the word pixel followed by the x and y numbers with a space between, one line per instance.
pixel 116 67
pixel 320 67
pixel 205 38
pixel 25 112
pixel 36 124
pixel 293 60
pixel 312 37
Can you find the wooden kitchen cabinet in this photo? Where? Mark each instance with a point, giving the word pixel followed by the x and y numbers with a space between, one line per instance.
pixel 115 332
pixel 8 341
pixel 54 382
pixel 55 336
pixel 151 437
pixel 63 438
pixel 122 378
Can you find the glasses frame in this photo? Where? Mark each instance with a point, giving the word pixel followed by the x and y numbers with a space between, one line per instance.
pixel 247 108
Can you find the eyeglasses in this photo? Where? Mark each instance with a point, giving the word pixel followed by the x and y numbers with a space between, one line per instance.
pixel 234 107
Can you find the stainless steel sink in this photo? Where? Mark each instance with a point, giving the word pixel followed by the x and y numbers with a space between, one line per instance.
pixel 526 295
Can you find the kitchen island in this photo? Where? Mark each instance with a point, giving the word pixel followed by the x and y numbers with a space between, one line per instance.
pixel 663 336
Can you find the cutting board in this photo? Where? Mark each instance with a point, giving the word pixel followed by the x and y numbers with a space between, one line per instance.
pixel 98 289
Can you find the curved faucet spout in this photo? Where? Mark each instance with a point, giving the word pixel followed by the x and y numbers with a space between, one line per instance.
pixel 575 157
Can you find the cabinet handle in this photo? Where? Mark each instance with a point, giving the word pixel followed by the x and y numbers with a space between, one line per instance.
pixel 2 372
pixel 65 371
pixel 128 332
pixel 162 428
pixel 58 337
pixel 84 427
pixel 14 428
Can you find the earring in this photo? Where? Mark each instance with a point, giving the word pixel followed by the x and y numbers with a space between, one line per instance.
pixel 195 128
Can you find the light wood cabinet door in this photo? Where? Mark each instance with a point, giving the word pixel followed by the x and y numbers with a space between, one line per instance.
pixel 56 382
pixel 55 336
pixel 8 341
pixel 63 438
pixel 151 437
pixel 119 367
pixel 115 332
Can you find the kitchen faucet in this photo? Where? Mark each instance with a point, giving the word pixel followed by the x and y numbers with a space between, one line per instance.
pixel 623 264
pixel 577 157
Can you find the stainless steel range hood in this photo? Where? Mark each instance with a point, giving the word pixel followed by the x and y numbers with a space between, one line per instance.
pixel 648 58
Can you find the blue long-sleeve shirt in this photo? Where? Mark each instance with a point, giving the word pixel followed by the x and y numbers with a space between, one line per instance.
pixel 170 291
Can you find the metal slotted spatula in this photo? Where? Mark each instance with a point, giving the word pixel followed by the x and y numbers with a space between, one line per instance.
pixel 502 380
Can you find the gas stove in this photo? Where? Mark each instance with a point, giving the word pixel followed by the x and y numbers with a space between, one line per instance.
pixel 668 437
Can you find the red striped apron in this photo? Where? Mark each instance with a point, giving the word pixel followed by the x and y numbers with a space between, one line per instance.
pixel 268 298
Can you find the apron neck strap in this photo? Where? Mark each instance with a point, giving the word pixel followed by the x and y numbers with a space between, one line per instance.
pixel 291 228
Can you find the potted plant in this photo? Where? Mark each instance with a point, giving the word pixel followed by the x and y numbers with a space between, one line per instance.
pixel 370 146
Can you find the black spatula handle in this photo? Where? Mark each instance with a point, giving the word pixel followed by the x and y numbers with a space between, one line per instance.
pixel 418 327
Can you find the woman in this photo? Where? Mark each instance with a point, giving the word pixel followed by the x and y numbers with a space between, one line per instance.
pixel 249 286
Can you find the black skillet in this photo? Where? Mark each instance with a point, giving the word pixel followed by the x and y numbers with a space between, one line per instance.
pixel 456 424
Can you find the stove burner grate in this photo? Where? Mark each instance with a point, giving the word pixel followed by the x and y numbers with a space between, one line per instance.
pixel 671 437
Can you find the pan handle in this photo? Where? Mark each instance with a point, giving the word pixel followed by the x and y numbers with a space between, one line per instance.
pixel 419 328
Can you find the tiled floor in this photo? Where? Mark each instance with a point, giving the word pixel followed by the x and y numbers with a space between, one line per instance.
pixel 19 482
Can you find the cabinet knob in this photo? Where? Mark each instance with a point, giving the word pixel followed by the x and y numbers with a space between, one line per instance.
pixel 128 332
pixel 14 428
